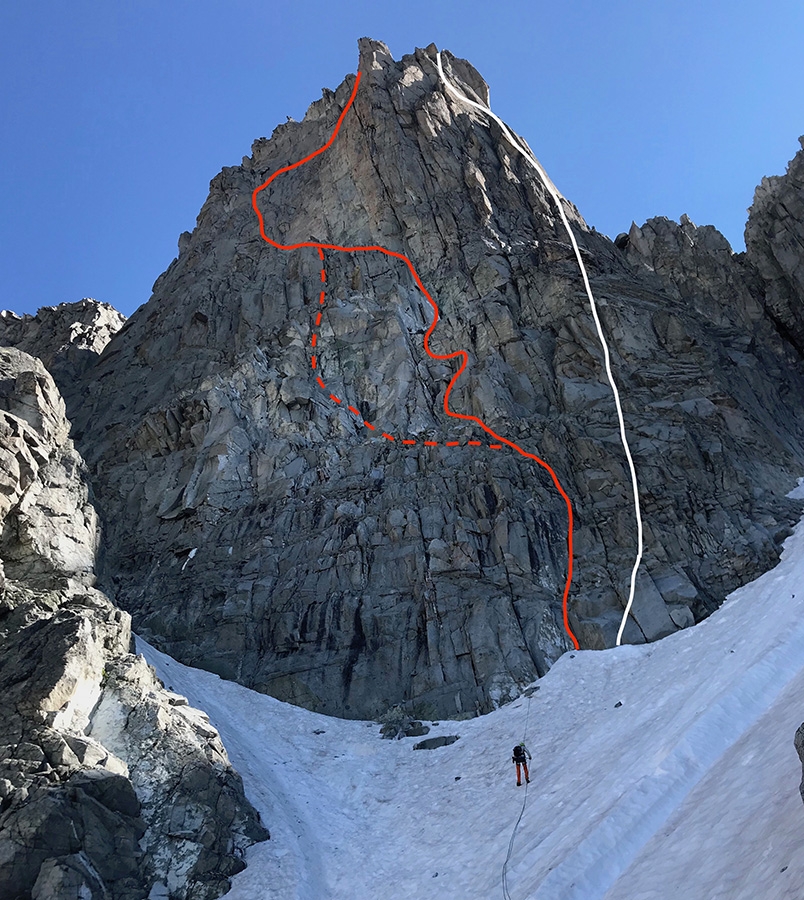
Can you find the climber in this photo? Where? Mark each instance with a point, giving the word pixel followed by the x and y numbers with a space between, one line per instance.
pixel 521 757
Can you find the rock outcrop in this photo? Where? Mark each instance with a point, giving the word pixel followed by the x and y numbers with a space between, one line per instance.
pixel 67 338
pixel 774 238
pixel 798 743
pixel 110 786
pixel 255 527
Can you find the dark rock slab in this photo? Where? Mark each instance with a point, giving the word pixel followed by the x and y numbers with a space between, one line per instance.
pixel 433 743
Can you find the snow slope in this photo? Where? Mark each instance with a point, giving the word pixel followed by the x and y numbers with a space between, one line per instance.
pixel 688 790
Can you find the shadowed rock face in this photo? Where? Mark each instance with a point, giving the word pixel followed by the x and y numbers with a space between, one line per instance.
pixel 108 783
pixel 774 238
pixel 798 743
pixel 254 528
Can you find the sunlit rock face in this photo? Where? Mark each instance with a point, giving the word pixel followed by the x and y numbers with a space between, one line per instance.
pixel 109 784
pixel 255 527
pixel 67 338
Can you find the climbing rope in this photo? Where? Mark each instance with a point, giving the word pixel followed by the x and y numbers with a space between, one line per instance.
pixel 557 198
pixel 521 813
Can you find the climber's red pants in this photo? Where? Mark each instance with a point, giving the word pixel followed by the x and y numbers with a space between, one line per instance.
pixel 518 776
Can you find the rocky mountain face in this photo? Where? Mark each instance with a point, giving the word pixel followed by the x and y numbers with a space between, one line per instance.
pixel 67 338
pixel 256 527
pixel 111 787
pixel 774 238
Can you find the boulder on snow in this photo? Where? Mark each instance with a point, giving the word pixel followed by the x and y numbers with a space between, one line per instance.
pixel 396 723
pixel 407 728
pixel 443 740
pixel 799 745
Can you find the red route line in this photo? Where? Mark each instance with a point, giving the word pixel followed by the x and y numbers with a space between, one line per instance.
pixel 457 354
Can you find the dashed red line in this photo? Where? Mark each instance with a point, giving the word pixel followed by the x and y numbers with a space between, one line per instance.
pixel 356 412
pixel 461 355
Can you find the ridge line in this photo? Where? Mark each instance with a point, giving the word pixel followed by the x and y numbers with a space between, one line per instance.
pixel 557 198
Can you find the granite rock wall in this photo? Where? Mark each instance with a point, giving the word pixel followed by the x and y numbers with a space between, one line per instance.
pixel 258 529
pixel 109 784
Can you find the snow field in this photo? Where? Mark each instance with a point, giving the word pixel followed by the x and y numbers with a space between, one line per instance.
pixel 689 789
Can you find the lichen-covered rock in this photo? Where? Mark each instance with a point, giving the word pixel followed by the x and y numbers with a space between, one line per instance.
pixel 81 816
pixel 254 527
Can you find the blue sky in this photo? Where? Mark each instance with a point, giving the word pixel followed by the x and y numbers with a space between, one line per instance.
pixel 116 115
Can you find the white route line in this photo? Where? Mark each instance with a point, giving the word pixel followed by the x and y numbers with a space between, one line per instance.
pixel 557 198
